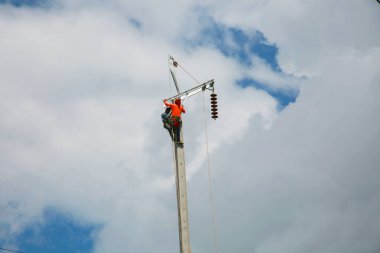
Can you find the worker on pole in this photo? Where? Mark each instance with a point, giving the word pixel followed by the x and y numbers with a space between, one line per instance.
pixel 176 121
pixel 166 117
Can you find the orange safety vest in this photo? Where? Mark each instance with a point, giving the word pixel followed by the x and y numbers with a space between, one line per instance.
pixel 176 110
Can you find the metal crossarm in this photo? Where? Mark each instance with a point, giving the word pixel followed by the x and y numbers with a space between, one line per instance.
pixel 207 85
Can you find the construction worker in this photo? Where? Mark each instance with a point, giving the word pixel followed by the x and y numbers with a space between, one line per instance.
pixel 167 120
pixel 177 110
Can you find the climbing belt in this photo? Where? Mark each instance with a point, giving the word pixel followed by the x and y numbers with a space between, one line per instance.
pixel 176 121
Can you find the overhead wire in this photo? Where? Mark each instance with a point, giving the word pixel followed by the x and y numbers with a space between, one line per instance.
pixel 188 73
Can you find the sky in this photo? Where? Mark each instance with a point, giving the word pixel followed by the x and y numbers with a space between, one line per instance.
pixel 86 167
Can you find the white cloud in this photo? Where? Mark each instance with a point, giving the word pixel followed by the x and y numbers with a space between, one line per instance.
pixel 308 183
pixel 276 81
pixel 80 111
pixel 81 91
pixel 307 32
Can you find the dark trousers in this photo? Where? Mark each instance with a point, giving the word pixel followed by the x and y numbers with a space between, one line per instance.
pixel 177 124
pixel 177 131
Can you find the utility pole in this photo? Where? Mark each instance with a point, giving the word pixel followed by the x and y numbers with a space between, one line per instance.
pixel 180 168
pixel 183 213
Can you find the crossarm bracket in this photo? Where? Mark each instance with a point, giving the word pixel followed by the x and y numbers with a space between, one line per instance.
pixel 207 85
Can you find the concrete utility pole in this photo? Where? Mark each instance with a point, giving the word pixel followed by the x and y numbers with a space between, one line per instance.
pixel 180 169
pixel 183 214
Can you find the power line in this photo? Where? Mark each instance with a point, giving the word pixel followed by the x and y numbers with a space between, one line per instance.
pixel 10 250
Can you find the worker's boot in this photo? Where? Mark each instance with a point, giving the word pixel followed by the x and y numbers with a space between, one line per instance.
pixel 179 141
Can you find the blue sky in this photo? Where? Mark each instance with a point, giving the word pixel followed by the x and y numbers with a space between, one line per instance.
pixel 294 151
pixel 55 232
pixel 235 43
pixel 58 233
pixel 29 3
pixel 283 98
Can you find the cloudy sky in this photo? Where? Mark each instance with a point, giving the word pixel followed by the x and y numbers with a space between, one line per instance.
pixel 85 165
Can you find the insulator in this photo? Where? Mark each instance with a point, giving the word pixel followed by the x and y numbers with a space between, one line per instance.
pixel 214 106
pixel 175 64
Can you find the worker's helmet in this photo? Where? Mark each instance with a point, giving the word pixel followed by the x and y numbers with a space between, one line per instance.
pixel 178 101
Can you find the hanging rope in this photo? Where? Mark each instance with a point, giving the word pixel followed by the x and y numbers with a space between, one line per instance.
pixel 187 72
pixel 209 180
